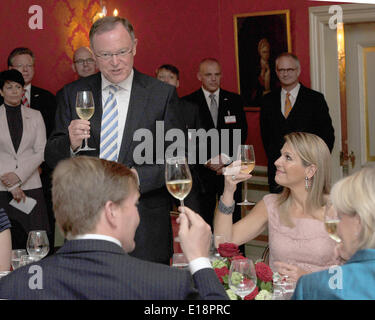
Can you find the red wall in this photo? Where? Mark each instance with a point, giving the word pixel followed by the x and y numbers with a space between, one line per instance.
pixel 168 31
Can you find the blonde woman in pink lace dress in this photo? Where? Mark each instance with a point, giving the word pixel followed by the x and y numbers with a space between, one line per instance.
pixel 298 241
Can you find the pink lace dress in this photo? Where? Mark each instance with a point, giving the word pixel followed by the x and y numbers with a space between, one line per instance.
pixel 307 245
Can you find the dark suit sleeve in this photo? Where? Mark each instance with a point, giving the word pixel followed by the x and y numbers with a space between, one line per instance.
pixel 242 122
pixel 208 285
pixel 58 144
pixel 323 122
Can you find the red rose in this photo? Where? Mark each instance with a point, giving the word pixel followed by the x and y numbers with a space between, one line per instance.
pixel 220 272
pixel 264 272
pixel 228 250
pixel 252 295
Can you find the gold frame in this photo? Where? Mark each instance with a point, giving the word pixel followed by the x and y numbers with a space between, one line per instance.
pixel 261 13
pixel 369 157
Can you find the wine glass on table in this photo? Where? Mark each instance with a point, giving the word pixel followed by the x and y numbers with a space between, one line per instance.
pixel 37 244
pixel 16 257
pixel 242 277
pixel 331 220
pixel 85 108
pixel 247 156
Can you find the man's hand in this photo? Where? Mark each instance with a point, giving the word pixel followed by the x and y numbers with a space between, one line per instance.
pixel 78 131
pixel 18 194
pixel 9 179
pixel 195 234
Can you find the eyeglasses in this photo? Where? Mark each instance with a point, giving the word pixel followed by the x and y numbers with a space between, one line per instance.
pixel 289 70
pixel 21 66
pixel 83 61
pixel 109 55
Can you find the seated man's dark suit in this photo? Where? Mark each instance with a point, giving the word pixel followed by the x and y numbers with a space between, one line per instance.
pixel 150 100
pixel 309 114
pixel 100 269
pixel 211 184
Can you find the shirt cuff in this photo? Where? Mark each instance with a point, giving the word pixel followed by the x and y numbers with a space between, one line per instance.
pixel 198 264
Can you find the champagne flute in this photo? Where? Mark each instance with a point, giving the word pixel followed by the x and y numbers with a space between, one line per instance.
pixel 247 156
pixel 331 220
pixel 178 178
pixel 37 244
pixel 242 277
pixel 85 108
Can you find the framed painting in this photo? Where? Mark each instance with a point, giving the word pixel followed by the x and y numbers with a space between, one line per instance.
pixel 259 38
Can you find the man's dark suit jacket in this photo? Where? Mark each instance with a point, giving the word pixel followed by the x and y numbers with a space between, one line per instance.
pixel 229 104
pixel 309 114
pixel 151 100
pixel 99 269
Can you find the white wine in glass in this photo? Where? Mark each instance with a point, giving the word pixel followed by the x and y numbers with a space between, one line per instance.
pixel 331 220
pixel 178 178
pixel 85 109
pixel 247 156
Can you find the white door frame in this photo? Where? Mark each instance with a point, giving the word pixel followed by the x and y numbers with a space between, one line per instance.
pixel 320 72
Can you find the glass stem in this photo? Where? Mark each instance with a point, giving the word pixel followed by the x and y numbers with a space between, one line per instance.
pixel 245 182
pixel 182 205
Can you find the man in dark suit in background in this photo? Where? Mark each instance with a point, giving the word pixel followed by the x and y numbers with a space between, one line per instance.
pixel 100 223
pixel 218 109
pixel 23 60
pixel 291 108
pixel 126 101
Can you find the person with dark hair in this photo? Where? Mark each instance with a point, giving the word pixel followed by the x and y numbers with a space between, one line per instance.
pixel 21 153
pixel 23 60
pixel 136 101
pixel 168 73
pixel 100 224
pixel 291 108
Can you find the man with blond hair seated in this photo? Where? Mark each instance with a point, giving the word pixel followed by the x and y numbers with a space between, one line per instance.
pixel 95 204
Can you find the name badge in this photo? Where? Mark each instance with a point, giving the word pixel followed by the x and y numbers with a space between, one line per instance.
pixel 230 119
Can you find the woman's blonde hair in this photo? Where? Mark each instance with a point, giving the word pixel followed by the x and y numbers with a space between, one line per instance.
pixel 355 195
pixel 81 187
pixel 313 151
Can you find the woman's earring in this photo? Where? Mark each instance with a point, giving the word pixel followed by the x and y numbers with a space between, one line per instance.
pixel 307 184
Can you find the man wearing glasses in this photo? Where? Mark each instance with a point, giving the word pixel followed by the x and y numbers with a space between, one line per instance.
pixel 125 101
pixel 291 108
pixel 83 62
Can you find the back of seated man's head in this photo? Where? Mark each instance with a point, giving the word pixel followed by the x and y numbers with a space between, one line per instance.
pixel 168 73
pixel 22 59
pixel 84 62
pixel 86 189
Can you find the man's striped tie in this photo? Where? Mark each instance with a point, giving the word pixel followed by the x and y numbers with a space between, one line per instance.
pixel 24 100
pixel 109 128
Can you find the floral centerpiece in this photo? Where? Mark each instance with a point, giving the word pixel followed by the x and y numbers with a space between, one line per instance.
pixel 229 252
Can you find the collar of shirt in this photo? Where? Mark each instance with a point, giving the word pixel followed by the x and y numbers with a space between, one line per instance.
pixel 95 236
pixel 125 84
pixel 27 89
pixel 207 96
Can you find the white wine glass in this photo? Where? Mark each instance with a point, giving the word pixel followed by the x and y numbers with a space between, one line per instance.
pixel 242 277
pixel 247 156
pixel 331 220
pixel 37 244
pixel 216 240
pixel 178 178
pixel 85 108
pixel 16 257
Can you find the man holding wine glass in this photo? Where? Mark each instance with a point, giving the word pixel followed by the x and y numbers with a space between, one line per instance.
pixel 124 101
pixel 96 208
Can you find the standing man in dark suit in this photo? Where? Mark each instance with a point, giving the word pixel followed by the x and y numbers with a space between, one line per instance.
pixel 291 108
pixel 218 109
pixel 126 101
pixel 23 60
pixel 95 203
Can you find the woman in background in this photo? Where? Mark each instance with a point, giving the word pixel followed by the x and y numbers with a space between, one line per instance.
pixel 22 143
pixel 298 241
pixel 353 199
